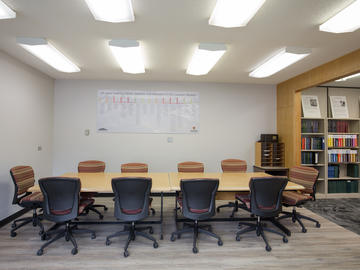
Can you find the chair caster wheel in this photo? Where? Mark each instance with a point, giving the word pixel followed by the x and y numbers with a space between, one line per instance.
pixel 318 225
pixel 237 238
pixel 108 242
pixel 220 243
pixel 268 248
pixel 126 253
pixel 304 230
pixel 93 236
pixel 155 245
pixel 173 238
pixel 13 234
pixel 44 237
pixel 40 252
pixel 105 208
pixel 195 250
pixel 74 251
pixel 13 225
pixel 101 217
pixel 151 230
pixel 285 240
pixel 67 238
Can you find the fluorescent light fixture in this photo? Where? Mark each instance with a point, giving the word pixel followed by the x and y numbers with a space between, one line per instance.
pixel 205 57
pixel 114 11
pixel 347 20
pixel 234 13
pixel 48 53
pixel 281 60
pixel 6 12
pixel 128 54
pixel 348 77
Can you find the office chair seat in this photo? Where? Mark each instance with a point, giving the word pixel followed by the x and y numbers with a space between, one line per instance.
pixel 245 199
pixel 294 198
pixel 35 197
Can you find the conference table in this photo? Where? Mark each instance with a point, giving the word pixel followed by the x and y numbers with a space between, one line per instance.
pixel 169 184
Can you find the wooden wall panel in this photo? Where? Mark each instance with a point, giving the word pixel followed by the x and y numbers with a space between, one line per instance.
pixel 289 100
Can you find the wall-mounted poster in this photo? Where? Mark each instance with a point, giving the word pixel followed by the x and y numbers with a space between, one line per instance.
pixel 339 108
pixel 310 106
pixel 147 111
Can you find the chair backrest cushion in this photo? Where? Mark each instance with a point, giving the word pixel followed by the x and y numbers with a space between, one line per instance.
pixel 199 197
pixel 91 166
pixel 233 165
pixel 266 195
pixel 61 198
pixel 305 176
pixel 131 197
pixel 134 168
pixel 191 167
pixel 23 178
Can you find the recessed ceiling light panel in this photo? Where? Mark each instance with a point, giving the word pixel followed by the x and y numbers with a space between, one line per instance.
pixel 281 60
pixel 114 11
pixel 234 13
pixel 347 20
pixel 6 12
pixel 48 53
pixel 205 57
pixel 128 54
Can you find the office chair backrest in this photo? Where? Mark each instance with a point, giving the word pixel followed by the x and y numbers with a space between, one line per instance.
pixel 266 195
pixel 233 165
pixel 131 197
pixel 23 178
pixel 305 176
pixel 134 168
pixel 91 166
pixel 199 197
pixel 191 167
pixel 61 198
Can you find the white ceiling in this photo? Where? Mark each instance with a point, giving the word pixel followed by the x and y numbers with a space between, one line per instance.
pixel 169 31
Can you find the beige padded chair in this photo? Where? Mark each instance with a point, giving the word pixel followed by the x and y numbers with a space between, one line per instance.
pixel 232 166
pixel 92 166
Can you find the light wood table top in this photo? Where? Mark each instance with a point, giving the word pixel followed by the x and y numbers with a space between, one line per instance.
pixel 101 182
pixel 227 181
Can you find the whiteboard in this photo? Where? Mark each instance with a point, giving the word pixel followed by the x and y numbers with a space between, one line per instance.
pixel 147 112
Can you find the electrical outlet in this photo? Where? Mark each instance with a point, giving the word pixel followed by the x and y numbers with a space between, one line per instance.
pixel 170 139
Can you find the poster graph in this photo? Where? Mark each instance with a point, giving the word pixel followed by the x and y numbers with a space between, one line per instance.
pixel 147 112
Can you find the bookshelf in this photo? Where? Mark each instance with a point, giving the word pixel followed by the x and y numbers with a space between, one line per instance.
pixel 337 158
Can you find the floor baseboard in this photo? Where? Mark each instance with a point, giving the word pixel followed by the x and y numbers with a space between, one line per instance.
pixel 14 216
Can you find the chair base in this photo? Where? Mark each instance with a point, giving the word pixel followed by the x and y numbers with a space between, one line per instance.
pixel 259 227
pixel 132 231
pixel 196 229
pixel 296 216
pixel 93 209
pixel 35 220
pixel 66 232
pixel 233 205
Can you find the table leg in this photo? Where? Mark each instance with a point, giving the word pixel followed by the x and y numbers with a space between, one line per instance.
pixel 161 216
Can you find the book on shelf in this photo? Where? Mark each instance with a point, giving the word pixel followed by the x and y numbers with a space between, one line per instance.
pixel 312 143
pixel 333 171
pixel 342 141
pixel 339 107
pixel 352 170
pixel 310 126
pixel 310 106
pixel 338 126
pixel 309 158
pixel 342 155
pixel 343 186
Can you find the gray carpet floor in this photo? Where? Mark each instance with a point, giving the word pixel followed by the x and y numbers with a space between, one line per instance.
pixel 344 212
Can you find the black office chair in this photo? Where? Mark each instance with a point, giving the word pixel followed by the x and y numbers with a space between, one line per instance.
pixel 265 201
pixel 23 178
pixel 197 203
pixel 61 205
pixel 132 205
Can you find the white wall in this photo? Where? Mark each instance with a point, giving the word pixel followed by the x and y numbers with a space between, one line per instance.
pixel 26 120
pixel 232 116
